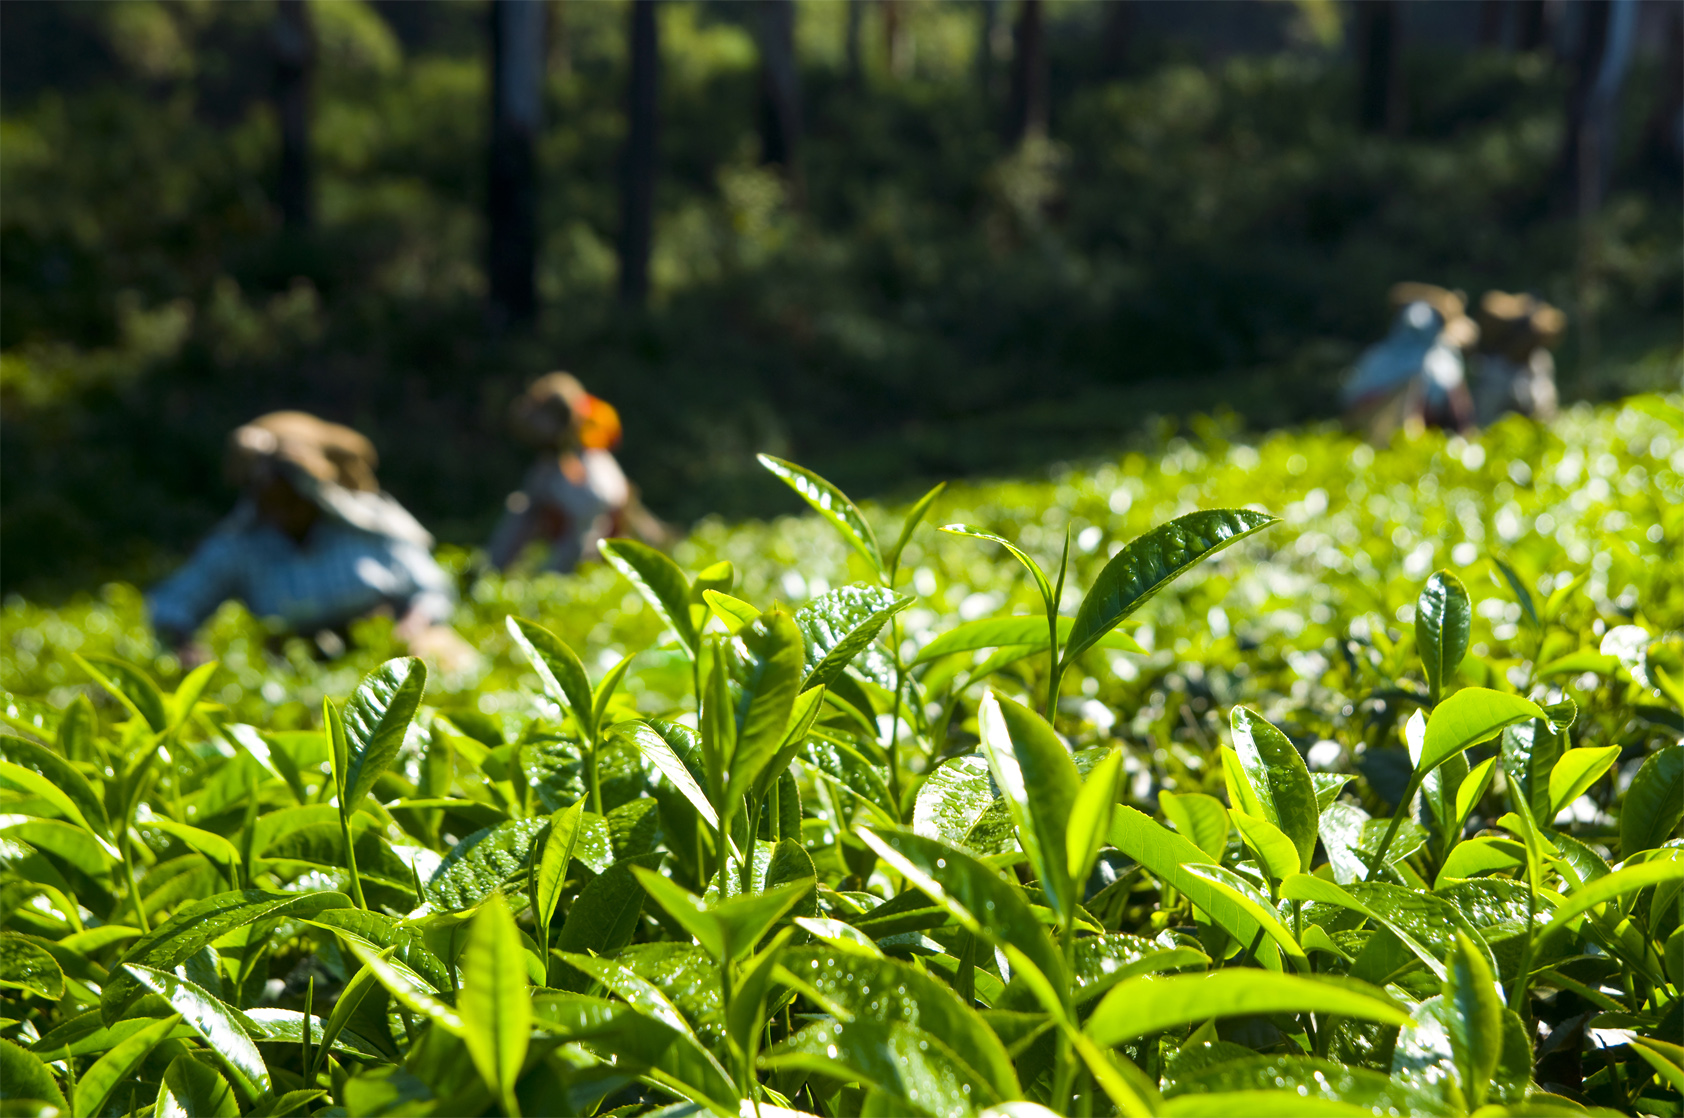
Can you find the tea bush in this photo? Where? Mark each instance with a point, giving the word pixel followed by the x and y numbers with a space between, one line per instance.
pixel 1277 777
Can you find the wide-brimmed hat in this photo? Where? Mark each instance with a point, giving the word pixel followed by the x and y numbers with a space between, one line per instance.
pixel 555 410
pixel 1459 330
pixel 295 442
pixel 1515 325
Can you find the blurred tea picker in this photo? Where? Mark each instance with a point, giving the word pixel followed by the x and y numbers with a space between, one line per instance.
pixel 575 494
pixel 1515 371
pixel 1415 376
pixel 313 544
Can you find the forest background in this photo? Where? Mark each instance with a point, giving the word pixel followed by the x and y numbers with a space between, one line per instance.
pixel 894 240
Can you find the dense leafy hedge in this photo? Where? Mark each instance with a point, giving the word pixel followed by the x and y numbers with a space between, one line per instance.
pixel 1157 867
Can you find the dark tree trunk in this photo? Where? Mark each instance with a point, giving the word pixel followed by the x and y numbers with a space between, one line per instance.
pixel 295 56
pixel 780 88
pixel 897 38
pixel 851 43
pixel 517 97
pixel 1114 38
pixel 1663 136
pixel 1531 25
pixel 1491 13
pixel 1379 60
pixel 637 198
pixel 1604 49
pixel 1028 109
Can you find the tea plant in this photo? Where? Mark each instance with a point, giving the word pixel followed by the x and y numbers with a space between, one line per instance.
pixel 890 851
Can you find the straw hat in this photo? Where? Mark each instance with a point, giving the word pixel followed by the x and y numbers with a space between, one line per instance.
pixel 295 441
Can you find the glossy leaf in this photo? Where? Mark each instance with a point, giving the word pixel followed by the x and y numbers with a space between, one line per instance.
pixel 1279 779
pixel 559 670
pixel 851 987
pixel 29 967
pixel 1200 819
pixel 772 680
pixel 660 582
pixel 1443 620
pixel 841 625
pixel 660 753
pixel 94 1086
pixel 1275 852
pixel 605 914
pixel 212 1020
pixel 1253 903
pixel 1271 1083
pixel 1529 751
pixel 1039 782
pixel 1170 857
pixel 1048 602
pixel 199 923
pixel 24 1077
pixel 1604 889
pixel 1143 1006
pixel 914 516
pixel 32 782
pixel 495 1006
pixel 830 503
pixel 480 864
pixel 1654 803
pixel 734 612
pixel 63 775
pixel 976 896
pixel 559 845
pixel 1470 716
pixel 130 686
pixel 1024 634
pixel 376 718
pixel 1152 561
pixel 193 1089
pixel 905 1063
pixel 409 989
pixel 1090 818
pixel 1576 771
pixel 1474 1014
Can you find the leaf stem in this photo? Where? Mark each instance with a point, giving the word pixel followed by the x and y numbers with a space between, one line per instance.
pixel 1378 859
pixel 134 890
pixel 351 860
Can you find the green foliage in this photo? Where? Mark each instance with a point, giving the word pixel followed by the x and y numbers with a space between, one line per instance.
pixel 676 843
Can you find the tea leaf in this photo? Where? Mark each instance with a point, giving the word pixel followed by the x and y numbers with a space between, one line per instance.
pixel 1152 561
pixel 212 1020
pixel 376 719
pixel 94 1086
pixel 1443 619
pixel 496 1009
pixel 830 503
pixel 1039 783
pixel 1143 1006
pixel 193 1089
pixel 559 670
pixel 1576 771
pixel 1279 779
pixel 660 582
pixel 1654 802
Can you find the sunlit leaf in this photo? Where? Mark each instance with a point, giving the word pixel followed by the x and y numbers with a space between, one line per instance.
pixel 1143 1006
pixel 1152 561
pixel 1443 619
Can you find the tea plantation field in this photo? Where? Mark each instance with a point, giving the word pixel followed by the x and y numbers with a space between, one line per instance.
pixel 1228 777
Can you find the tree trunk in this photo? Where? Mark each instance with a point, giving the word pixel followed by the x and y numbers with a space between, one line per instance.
pixel 1604 50
pixel 1028 109
pixel 637 198
pixel 780 90
pixel 1491 13
pixel 897 38
pixel 1663 136
pixel 1532 25
pixel 1114 38
pixel 851 43
pixel 295 56
pixel 1379 59
pixel 517 97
